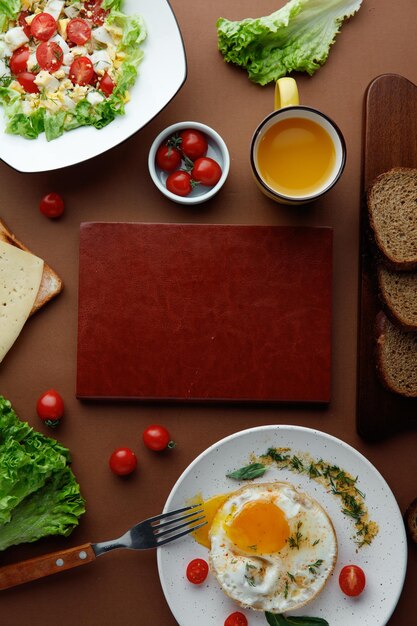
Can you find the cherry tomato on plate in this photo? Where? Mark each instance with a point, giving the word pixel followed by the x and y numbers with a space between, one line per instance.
pixel 193 144
pixel 206 171
pixel 106 85
pixel 81 71
pixel 43 26
pixel 168 158
pixel 197 571
pixel 123 461
pixel 352 580
pixel 180 183
pixel 21 20
pixel 49 56
pixel 236 619
pixel 52 205
pixel 157 438
pixel 50 408
pixel 78 31
pixel 19 59
pixel 27 80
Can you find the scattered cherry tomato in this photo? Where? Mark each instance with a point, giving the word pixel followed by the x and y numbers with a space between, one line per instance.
pixel 81 71
pixel 21 20
pixel 180 183
pixel 106 85
pixel 236 619
pixel 193 144
pixel 157 438
pixel 78 31
pixel 123 461
pixel 168 158
pixel 52 205
pixel 352 580
pixel 49 56
pixel 50 408
pixel 19 59
pixel 43 26
pixel 27 80
pixel 197 571
pixel 206 171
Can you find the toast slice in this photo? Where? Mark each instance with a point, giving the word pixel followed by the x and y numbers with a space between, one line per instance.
pixel 392 207
pixel 398 292
pixel 396 357
pixel 51 284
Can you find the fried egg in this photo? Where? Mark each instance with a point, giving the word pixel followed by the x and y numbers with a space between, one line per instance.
pixel 272 548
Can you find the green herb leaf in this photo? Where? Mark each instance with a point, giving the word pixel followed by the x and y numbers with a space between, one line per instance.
pixel 255 470
pixel 276 619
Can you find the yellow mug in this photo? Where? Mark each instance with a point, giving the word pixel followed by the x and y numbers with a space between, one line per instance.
pixel 297 153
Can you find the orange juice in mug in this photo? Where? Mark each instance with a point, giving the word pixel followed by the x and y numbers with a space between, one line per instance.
pixel 297 152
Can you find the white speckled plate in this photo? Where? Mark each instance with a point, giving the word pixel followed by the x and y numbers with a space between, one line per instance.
pixel 384 561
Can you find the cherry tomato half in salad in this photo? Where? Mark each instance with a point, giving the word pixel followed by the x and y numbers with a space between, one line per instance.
pixel 43 26
pixel 106 85
pixel 157 438
pixel 21 20
pixel 168 158
pixel 50 408
pixel 78 31
pixel 27 80
pixel 123 461
pixel 81 71
pixel 206 171
pixel 52 205
pixel 236 619
pixel 180 183
pixel 94 11
pixel 352 580
pixel 197 571
pixel 49 56
pixel 193 144
pixel 19 60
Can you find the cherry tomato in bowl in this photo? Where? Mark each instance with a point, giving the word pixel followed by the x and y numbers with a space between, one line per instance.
pixel 206 171
pixel 52 205
pixel 168 158
pixel 50 408
pixel 236 619
pixel 352 580
pixel 157 438
pixel 197 571
pixel 180 183
pixel 123 461
pixel 193 143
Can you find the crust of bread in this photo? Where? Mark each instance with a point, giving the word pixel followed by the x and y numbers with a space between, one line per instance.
pixel 51 284
pixel 384 328
pixel 399 315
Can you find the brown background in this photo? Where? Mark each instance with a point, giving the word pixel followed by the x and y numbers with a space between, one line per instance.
pixel 124 587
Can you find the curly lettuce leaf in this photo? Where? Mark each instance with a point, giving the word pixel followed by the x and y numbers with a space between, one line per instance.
pixel 297 37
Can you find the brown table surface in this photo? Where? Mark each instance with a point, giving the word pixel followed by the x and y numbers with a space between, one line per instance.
pixel 124 588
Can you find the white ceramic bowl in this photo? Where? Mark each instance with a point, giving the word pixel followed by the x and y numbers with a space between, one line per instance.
pixel 217 150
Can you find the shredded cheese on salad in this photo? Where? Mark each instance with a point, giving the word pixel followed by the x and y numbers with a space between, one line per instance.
pixel 65 63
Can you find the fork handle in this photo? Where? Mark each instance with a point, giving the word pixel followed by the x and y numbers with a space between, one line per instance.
pixel 52 563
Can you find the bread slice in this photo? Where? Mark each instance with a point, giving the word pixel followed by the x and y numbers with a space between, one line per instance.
pixel 51 284
pixel 392 207
pixel 396 357
pixel 410 517
pixel 398 291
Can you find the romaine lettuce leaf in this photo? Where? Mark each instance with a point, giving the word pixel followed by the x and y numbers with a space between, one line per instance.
pixel 10 8
pixel 297 37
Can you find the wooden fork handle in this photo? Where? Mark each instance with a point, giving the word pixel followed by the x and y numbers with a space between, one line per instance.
pixel 25 571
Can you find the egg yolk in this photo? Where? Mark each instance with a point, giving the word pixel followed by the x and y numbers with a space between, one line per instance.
pixel 260 527
pixel 210 508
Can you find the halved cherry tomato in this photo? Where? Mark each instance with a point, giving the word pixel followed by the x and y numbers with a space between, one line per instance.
pixel 78 31
pixel 123 461
pixel 52 205
pixel 206 171
pixel 27 80
pixel 43 26
pixel 236 619
pixel 49 56
pixel 197 571
pixel 81 71
pixel 180 183
pixel 352 580
pixel 106 85
pixel 157 438
pixel 193 144
pixel 21 20
pixel 94 11
pixel 168 158
pixel 19 60
pixel 50 408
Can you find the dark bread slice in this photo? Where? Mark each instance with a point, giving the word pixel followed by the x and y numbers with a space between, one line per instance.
pixel 51 284
pixel 396 357
pixel 410 517
pixel 392 207
pixel 398 292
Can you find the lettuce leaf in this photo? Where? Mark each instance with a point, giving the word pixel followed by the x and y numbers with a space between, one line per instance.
pixel 10 8
pixel 297 37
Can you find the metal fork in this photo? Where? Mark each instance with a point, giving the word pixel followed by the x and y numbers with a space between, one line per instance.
pixel 151 533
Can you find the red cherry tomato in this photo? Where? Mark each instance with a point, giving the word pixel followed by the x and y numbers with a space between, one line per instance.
pixel 49 56
pixel 78 31
pixel 236 619
pixel 180 183
pixel 50 408
pixel 157 438
pixel 206 171
pixel 106 85
pixel 193 143
pixel 197 571
pixel 352 580
pixel 43 26
pixel 81 71
pixel 52 205
pixel 21 20
pixel 94 11
pixel 27 80
pixel 123 461
pixel 168 158
pixel 19 59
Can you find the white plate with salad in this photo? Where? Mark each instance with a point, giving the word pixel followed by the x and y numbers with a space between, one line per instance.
pixel 79 77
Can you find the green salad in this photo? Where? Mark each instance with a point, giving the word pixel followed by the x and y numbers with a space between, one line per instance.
pixel 65 64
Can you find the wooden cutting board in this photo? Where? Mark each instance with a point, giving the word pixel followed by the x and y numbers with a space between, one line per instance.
pixel 390 140
pixel 203 312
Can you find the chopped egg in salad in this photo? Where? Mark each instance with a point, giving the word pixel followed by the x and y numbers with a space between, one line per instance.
pixel 65 64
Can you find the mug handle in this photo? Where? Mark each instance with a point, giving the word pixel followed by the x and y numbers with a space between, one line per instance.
pixel 286 93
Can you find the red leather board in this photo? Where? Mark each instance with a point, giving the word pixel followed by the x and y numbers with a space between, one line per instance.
pixel 204 312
